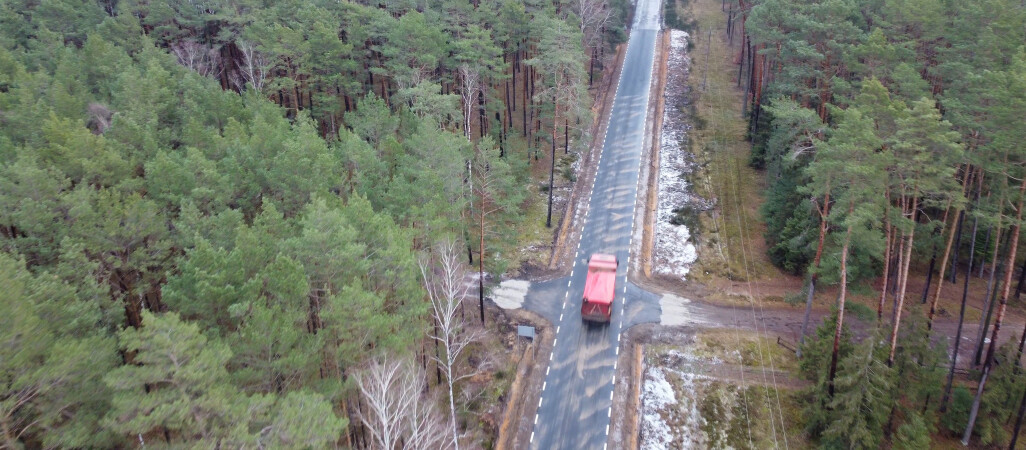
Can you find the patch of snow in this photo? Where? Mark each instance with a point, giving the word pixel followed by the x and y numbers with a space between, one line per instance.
pixel 671 396
pixel 674 310
pixel 673 252
pixel 690 432
pixel 678 41
pixel 511 293
pixel 669 421
pixel 657 394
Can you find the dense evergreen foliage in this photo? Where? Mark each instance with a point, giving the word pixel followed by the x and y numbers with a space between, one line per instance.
pixel 883 58
pixel 211 212
pixel 888 129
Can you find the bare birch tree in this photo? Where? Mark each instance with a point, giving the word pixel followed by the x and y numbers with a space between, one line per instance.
pixel 398 414
pixel 470 78
pixel 444 280
pixel 388 391
pixel 594 15
pixel 197 57
pixel 252 68
pixel 425 424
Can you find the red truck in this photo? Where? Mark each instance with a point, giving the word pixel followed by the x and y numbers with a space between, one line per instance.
pixel 599 288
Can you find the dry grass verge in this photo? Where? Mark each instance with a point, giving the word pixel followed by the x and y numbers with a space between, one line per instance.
pixel 732 245
pixel 695 397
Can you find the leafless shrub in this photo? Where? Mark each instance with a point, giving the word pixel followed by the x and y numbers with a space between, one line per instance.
pixel 99 117
pixel 197 57
pixel 399 414
pixel 252 68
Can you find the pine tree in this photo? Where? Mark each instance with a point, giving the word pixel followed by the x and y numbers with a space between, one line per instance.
pixel 179 384
pixel 914 434
pixel 863 399
pixel 54 358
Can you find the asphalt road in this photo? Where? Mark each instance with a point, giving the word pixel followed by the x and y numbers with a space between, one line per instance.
pixel 576 399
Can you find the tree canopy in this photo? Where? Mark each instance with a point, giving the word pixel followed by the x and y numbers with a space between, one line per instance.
pixel 210 213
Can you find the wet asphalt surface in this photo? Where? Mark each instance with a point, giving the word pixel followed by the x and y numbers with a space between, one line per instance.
pixel 577 395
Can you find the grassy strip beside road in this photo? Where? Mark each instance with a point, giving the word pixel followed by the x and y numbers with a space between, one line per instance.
pixel 718 141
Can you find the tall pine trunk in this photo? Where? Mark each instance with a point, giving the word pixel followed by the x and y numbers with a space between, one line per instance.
pixel 947 252
pixel 552 163
pixel 903 277
pixel 929 275
pixel 1022 277
pixel 480 264
pixel 961 318
pixel 1006 288
pixel 988 299
pixel 983 256
pixel 958 244
pixel 824 211
pixel 887 255
pixel 841 298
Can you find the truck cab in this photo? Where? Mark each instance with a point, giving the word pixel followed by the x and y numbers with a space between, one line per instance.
pixel 599 288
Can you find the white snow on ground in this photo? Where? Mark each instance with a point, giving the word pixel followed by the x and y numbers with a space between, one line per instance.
pixel 669 420
pixel 510 294
pixel 673 254
pixel 658 393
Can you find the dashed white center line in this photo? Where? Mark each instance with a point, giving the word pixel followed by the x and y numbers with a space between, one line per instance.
pixel 577 255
